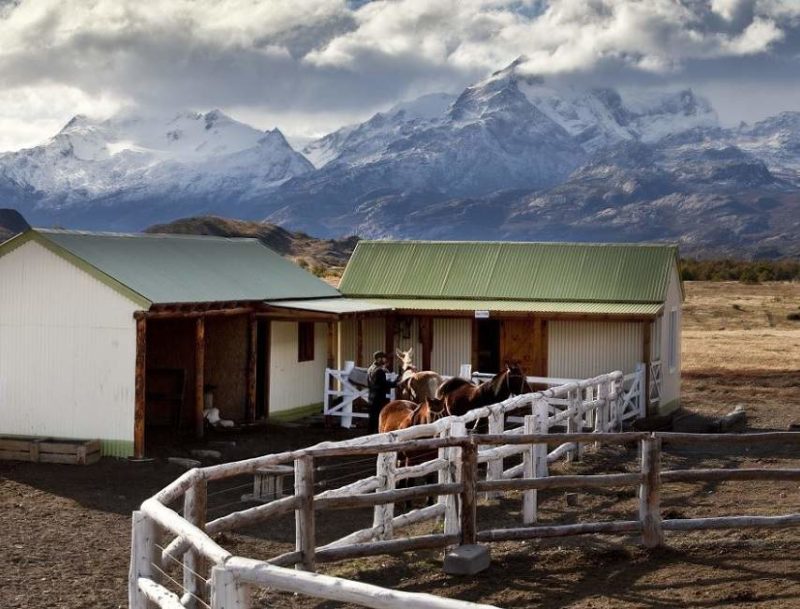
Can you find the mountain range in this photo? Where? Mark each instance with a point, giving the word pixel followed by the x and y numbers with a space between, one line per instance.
pixel 510 157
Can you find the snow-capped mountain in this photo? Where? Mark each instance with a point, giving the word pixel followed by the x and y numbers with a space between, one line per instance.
pixel 147 162
pixel 511 156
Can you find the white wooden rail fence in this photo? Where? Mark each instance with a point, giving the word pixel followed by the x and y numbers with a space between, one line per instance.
pixel 341 394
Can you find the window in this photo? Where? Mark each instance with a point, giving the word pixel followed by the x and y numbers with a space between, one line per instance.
pixel 305 341
pixel 672 353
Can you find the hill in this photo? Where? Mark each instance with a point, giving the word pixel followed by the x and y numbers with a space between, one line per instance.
pixel 321 256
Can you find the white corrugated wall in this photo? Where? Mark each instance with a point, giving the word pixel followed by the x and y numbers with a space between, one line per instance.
pixel 347 342
pixel 580 349
pixel 374 337
pixel 67 352
pixel 671 377
pixel 452 345
pixel 292 384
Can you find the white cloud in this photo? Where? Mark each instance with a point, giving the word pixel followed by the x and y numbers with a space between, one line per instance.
pixel 325 59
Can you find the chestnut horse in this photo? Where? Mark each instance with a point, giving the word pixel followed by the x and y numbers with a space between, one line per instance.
pixel 461 396
pixel 401 414
pixel 414 385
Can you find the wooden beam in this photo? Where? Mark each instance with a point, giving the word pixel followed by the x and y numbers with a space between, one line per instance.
pixel 474 355
pixel 426 338
pixel 359 341
pixel 389 322
pixel 331 363
pixel 192 314
pixel 267 363
pixel 140 388
pixel 252 373
pixel 199 374
pixel 646 359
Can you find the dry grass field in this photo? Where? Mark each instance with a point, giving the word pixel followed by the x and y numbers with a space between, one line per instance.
pixel 64 531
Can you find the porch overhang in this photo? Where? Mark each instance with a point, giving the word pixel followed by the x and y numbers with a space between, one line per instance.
pixel 331 306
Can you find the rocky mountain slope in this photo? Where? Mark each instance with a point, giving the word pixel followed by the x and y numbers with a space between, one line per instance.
pixel 510 157
pixel 315 254
pixel 11 223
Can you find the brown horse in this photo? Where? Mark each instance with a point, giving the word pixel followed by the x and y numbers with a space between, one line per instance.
pixel 401 414
pixel 460 396
pixel 414 385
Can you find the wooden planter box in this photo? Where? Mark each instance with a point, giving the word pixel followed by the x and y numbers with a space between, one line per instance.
pixel 50 450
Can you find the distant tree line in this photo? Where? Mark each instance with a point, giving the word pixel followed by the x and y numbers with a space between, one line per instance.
pixel 727 269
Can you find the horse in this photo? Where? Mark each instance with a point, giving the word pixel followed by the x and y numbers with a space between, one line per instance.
pixel 402 414
pixel 414 385
pixel 461 396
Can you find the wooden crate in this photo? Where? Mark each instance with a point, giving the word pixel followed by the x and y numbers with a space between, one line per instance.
pixel 50 450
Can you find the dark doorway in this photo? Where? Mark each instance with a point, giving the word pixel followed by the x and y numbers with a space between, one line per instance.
pixel 488 345
pixel 262 368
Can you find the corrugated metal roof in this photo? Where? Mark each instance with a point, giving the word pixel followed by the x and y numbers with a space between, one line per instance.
pixel 586 272
pixel 518 306
pixel 332 305
pixel 180 268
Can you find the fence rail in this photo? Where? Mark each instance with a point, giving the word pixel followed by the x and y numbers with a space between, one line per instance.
pixel 212 577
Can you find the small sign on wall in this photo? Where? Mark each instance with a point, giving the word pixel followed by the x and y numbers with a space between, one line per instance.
pixel 481 314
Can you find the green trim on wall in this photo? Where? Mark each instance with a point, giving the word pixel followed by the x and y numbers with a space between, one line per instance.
pixel 295 413
pixel 33 235
pixel 116 448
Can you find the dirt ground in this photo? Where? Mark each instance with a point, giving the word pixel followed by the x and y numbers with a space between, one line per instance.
pixel 64 531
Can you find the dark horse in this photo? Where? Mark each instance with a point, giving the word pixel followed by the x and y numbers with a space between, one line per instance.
pixel 461 396
pixel 401 414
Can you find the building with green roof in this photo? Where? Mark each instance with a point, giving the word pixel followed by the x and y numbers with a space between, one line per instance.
pixel 564 310
pixel 105 335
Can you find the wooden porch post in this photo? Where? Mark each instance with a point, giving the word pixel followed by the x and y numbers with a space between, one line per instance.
pixel 359 341
pixel 389 340
pixel 474 355
pixel 199 374
pixel 426 338
pixel 646 359
pixel 252 359
pixel 140 388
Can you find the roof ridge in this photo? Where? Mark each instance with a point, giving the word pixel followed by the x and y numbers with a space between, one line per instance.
pixel 644 244
pixel 85 233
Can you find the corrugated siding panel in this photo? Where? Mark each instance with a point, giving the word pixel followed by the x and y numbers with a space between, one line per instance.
pixel 67 352
pixel 515 271
pixel 452 345
pixel 580 349
pixel 528 306
pixel 374 338
pixel 410 342
pixel 294 384
pixel 347 342
pixel 671 379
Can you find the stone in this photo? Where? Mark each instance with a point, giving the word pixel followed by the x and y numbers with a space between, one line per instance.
pixel 467 560
pixel 571 499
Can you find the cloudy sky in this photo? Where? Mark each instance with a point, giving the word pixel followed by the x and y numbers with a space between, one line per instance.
pixel 308 66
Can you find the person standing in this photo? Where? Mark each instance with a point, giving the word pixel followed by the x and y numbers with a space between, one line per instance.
pixel 379 385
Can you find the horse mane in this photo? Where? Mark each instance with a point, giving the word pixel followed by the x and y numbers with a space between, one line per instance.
pixel 496 383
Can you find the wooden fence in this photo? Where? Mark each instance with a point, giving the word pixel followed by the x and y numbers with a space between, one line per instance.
pixel 212 577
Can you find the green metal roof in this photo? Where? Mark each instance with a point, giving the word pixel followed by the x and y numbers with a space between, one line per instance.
pixel 519 306
pixel 338 306
pixel 571 272
pixel 178 268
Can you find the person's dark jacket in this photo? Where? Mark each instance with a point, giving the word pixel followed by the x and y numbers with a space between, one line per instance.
pixel 378 384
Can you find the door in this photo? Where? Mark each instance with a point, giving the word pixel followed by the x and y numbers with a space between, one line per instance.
pixel 487 346
pixel 525 341
pixel 262 368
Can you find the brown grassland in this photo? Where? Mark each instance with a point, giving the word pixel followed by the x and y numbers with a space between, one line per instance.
pixel 64 531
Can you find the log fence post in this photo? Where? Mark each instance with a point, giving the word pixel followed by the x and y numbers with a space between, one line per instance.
pixel 494 468
pixel 650 493
pixel 452 473
pixel 305 536
pixel 541 413
pixel 144 556
pixel 194 511
pixel 575 423
pixel 469 475
pixel 227 592
pixel 529 471
pixel 386 471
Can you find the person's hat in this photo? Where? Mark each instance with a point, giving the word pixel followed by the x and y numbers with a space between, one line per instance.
pixel 378 355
